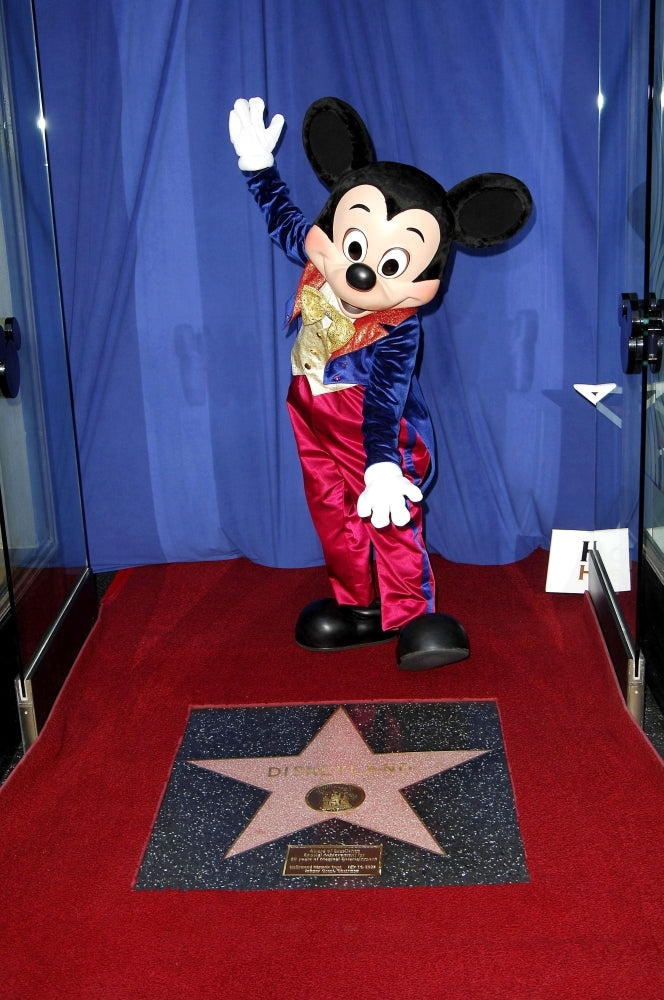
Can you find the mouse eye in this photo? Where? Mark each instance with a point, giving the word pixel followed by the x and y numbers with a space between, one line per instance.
pixel 393 263
pixel 355 245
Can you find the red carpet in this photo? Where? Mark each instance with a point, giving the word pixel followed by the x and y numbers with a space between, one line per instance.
pixel 77 813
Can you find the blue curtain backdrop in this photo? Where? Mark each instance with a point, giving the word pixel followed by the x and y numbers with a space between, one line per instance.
pixel 174 297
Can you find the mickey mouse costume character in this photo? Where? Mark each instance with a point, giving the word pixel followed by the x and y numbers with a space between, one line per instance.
pixel 373 257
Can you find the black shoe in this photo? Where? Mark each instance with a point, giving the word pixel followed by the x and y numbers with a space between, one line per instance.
pixel 431 641
pixel 326 625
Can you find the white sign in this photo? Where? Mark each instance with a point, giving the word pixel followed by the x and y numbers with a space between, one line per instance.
pixel 594 393
pixel 569 559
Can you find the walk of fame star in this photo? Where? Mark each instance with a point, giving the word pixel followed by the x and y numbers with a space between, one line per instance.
pixel 337 755
pixel 424 786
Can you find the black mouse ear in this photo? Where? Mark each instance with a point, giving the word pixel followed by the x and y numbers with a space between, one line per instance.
pixel 488 209
pixel 335 139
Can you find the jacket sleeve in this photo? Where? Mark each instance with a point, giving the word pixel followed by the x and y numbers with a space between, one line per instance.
pixel 286 224
pixel 387 391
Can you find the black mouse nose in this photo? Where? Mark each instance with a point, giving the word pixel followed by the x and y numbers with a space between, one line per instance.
pixel 361 277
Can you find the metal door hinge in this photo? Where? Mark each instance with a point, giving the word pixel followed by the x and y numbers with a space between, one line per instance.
pixel 10 345
pixel 642 329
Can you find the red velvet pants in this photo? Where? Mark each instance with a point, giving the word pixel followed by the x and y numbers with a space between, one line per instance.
pixel 328 432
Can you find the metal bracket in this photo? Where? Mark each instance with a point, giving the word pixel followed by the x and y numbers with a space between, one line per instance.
pixel 26 711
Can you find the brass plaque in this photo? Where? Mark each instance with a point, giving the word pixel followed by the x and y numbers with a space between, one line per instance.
pixel 357 860
pixel 333 797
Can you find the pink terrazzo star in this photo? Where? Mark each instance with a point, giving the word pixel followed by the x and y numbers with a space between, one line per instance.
pixel 337 756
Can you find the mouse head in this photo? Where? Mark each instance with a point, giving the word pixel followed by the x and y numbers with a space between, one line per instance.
pixel 383 237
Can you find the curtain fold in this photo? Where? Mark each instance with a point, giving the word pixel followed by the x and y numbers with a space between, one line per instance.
pixel 174 298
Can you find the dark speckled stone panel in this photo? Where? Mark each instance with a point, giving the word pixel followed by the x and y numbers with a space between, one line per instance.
pixel 467 808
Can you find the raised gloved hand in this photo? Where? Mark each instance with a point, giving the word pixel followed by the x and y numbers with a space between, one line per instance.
pixel 252 139
pixel 385 493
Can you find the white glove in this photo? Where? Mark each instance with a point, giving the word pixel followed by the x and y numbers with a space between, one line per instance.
pixel 383 498
pixel 253 141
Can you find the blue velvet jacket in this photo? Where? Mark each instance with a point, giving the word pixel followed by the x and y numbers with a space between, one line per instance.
pixel 385 368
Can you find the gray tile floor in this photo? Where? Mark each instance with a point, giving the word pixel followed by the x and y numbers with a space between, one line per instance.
pixel 653 723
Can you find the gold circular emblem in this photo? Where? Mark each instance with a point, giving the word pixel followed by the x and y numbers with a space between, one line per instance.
pixel 335 798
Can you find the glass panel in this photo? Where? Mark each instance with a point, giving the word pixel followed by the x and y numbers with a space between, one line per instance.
pixel 43 523
pixel 652 606
pixel 622 231
pixel 654 453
